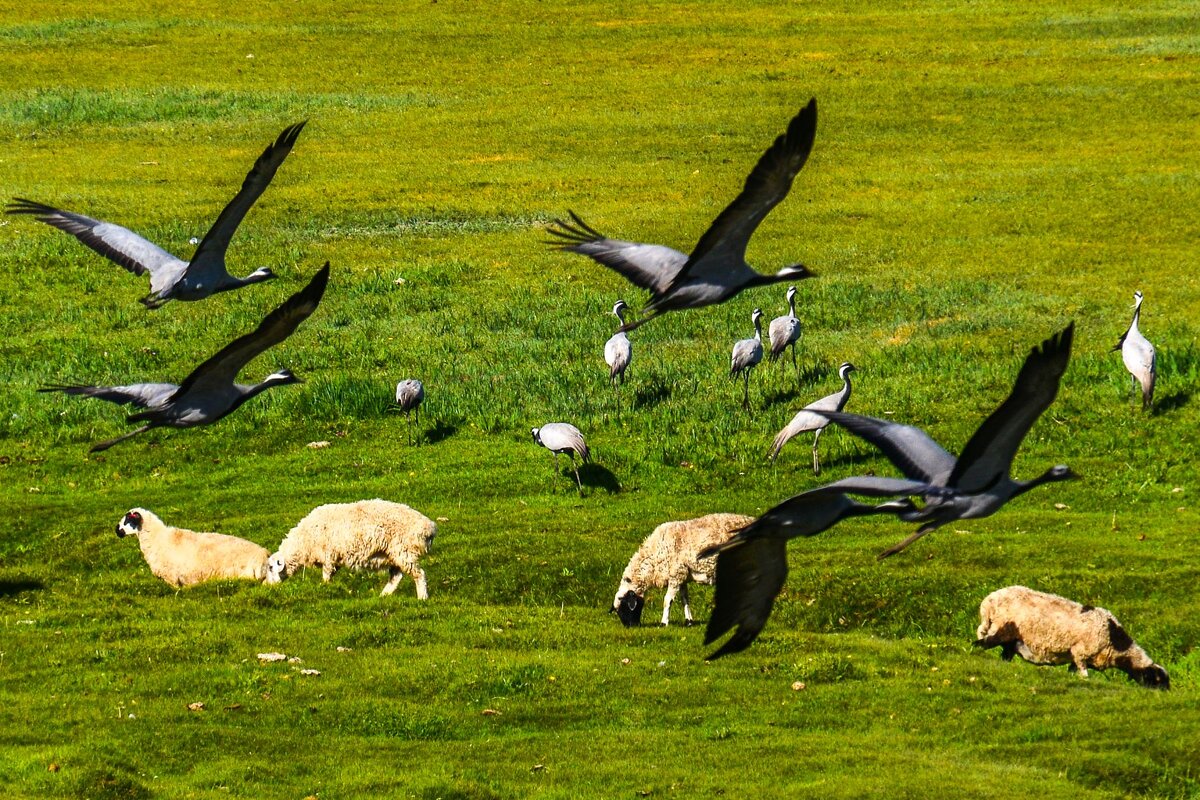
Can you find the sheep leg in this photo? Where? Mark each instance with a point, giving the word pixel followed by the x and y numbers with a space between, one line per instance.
pixel 419 578
pixel 668 598
pixel 1080 662
pixel 396 575
pixel 687 611
pixel 327 571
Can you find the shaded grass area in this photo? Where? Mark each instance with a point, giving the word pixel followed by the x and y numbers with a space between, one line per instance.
pixel 982 175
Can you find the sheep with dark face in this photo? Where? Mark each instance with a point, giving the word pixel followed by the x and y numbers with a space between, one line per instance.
pixel 669 557
pixel 1048 629
pixel 182 557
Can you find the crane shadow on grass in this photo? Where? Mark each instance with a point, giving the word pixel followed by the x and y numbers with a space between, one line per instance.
pixel 12 588
pixel 1171 402
pixel 651 394
pixel 439 432
pixel 597 477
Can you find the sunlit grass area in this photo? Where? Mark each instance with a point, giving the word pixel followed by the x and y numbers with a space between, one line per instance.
pixel 982 175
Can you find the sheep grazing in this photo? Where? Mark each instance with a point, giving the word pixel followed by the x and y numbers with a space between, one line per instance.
pixel 1048 629
pixel 369 534
pixel 182 557
pixel 670 557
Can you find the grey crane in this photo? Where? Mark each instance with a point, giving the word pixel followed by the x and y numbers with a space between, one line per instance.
pixel 172 278
pixel 563 437
pixel 752 564
pixel 980 478
pixel 410 393
pixel 1138 355
pixel 209 392
pixel 747 353
pixel 618 352
pixel 716 269
pixel 784 332
pixel 806 420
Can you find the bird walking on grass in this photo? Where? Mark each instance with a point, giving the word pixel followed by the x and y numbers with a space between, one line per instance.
pixel 172 278
pixel 747 353
pixel 752 564
pixel 980 479
pixel 209 392
pixel 806 420
pixel 563 437
pixel 1138 355
pixel 716 269
pixel 410 393
pixel 784 332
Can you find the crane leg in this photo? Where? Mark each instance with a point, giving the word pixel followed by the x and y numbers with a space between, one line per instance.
pixel 578 482
pixel 746 389
pixel 816 457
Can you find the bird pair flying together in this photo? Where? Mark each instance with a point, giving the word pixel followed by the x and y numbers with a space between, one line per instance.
pixel 752 565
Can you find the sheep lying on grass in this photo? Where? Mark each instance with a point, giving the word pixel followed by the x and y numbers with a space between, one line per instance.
pixel 368 534
pixel 1048 629
pixel 670 557
pixel 182 557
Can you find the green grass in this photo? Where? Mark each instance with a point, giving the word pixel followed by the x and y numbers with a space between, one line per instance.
pixel 983 173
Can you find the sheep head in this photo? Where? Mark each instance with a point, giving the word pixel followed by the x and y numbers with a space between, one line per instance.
pixel 629 608
pixel 1152 677
pixel 276 568
pixel 130 524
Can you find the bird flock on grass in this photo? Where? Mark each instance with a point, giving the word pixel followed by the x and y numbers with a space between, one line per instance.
pixel 936 488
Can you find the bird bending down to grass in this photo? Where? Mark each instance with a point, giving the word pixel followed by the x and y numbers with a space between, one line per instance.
pixel 716 269
pixel 752 564
pixel 172 278
pixel 784 332
pixel 746 355
pixel 979 480
pixel 209 392
pixel 806 420
pixel 1138 355
pixel 563 437
pixel 410 393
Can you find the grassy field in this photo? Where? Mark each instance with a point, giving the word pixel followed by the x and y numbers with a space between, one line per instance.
pixel 983 173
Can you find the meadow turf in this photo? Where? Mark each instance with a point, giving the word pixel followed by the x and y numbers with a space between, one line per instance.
pixel 983 173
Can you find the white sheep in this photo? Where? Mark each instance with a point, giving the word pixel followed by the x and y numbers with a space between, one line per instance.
pixel 670 557
pixel 182 557
pixel 1048 629
pixel 368 534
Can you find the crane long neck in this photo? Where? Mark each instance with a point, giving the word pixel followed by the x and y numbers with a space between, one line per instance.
pixel 792 306
pixel 845 398
pixel 246 392
pixel 1137 312
pixel 758 328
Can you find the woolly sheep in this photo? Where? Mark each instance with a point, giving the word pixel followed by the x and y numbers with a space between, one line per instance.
pixel 670 557
pixel 368 534
pixel 182 557
pixel 1048 629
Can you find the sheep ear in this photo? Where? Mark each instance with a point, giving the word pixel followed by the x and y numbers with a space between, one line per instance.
pixel 1121 641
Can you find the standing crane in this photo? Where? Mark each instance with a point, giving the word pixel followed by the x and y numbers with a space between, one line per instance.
pixel 747 353
pixel 1138 355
